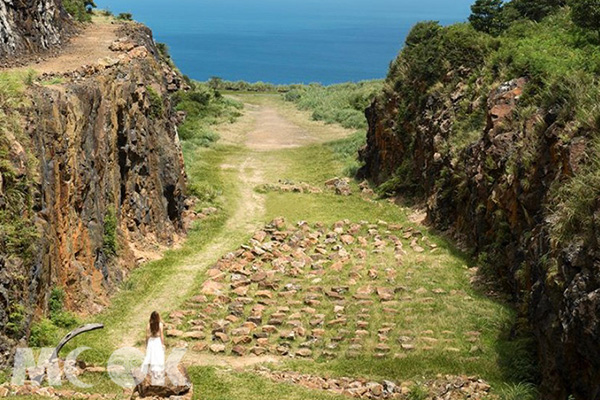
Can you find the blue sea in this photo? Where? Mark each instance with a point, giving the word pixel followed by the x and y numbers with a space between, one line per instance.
pixel 286 41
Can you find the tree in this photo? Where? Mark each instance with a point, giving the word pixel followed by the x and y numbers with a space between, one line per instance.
pixel 586 14
pixel 536 9
pixel 486 16
pixel 215 83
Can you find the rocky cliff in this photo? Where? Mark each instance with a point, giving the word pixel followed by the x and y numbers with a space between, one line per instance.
pixel 31 27
pixel 99 164
pixel 488 160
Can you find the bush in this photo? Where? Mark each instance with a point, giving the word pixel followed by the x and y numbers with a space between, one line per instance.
pixel 44 333
pixel 343 104
pixel 204 107
pixel 79 9
pixel 537 9
pixel 16 317
pixel 586 14
pixel 125 16
pixel 156 102
pixel 58 316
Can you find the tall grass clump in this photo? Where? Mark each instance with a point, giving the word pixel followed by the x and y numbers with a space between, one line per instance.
pixel 204 108
pixel 343 104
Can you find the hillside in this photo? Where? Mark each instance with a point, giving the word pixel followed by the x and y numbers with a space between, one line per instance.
pixel 497 136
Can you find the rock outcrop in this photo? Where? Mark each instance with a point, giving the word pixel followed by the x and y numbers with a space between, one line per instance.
pixel 106 181
pixel 29 27
pixel 496 196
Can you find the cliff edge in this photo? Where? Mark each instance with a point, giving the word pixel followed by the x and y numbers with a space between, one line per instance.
pixel 93 180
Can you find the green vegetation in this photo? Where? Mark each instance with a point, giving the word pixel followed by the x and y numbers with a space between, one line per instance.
pixel 343 104
pixel 80 10
pixel 218 83
pixel 110 241
pixel 156 102
pixel 215 384
pixel 204 107
pixel 487 16
pixel 586 14
pixel 125 16
pixel 57 313
pixel 17 233
pixel 44 333
pixel 48 331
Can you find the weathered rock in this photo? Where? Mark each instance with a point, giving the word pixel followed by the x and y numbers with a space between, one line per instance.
pixel 176 383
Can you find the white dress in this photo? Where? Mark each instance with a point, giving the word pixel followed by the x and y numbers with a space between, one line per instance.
pixel 154 361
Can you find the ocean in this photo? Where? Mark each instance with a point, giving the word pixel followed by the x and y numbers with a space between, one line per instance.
pixel 286 41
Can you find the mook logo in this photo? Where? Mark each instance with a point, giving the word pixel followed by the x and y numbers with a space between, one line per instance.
pixel 125 368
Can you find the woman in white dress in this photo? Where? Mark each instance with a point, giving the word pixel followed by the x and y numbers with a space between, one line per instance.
pixel 155 347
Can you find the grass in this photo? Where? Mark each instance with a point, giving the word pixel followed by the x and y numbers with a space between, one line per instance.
pixel 215 384
pixel 343 104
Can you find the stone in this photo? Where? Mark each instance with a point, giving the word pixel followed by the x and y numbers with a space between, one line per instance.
pixel 194 335
pixel 211 287
pixel 217 348
pixel 174 333
pixel 238 351
pixel 176 383
pixel 304 352
pixel 258 351
pixel 241 339
pixel 199 347
pixel 264 294
pixel 385 294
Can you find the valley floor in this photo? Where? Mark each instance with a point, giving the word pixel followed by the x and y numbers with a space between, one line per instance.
pixel 356 290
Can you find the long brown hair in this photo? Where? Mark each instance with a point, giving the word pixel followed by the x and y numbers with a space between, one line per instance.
pixel 154 323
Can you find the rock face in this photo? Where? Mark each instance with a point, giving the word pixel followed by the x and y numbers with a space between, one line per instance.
pixel 31 26
pixel 495 196
pixel 108 183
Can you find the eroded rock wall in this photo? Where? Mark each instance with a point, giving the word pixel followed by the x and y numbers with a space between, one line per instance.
pixel 107 182
pixel 495 197
pixel 29 27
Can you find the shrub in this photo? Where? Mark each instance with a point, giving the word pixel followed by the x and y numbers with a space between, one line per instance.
pixel 586 14
pixel 16 317
pixel 43 333
pixel 58 316
pixel 79 9
pixel 125 16
pixel 156 102
pixel 343 104
pixel 203 107
pixel 536 9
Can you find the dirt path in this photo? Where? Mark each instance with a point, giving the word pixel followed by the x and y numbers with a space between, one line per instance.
pixel 87 48
pixel 264 128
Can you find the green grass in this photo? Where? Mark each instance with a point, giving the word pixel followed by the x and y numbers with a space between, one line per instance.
pixel 343 104
pixel 215 384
